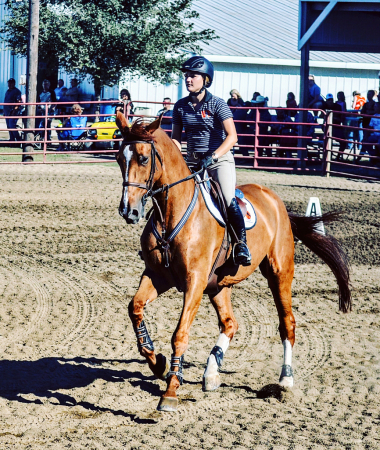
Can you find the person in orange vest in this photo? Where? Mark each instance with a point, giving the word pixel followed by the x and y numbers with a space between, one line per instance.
pixel 358 101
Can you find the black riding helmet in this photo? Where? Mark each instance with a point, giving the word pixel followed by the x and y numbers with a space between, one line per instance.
pixel 200 65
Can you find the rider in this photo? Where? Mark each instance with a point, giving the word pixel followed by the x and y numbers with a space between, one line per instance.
pixel 211 133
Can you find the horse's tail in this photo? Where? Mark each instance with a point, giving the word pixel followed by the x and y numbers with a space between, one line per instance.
pixel 327 248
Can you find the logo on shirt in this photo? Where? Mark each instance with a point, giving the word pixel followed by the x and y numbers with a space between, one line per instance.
pixel 206 114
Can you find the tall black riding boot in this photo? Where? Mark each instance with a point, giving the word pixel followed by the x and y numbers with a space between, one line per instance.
pixel 241 253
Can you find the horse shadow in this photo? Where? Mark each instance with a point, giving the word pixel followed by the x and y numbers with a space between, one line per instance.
pixel 46 375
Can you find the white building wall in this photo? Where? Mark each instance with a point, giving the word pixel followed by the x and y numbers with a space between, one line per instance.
pixel 271 81
pixel 275 82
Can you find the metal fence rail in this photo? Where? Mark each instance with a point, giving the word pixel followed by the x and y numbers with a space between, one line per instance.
pixel 290 140
pixel 355 155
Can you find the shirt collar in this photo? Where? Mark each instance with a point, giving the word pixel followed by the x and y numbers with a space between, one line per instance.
pixel 206 98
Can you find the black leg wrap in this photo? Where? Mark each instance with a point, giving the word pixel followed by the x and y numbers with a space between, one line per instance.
pixel 286 371
pixel 218 353
pixel 142 333
pixel 177 361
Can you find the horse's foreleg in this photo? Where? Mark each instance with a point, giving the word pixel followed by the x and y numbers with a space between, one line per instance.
pixel 280 284
pixel 148 291
pixel 180 340
pixel 228 327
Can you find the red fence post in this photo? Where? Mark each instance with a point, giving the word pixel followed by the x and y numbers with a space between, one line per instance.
pixel 45 132
pixel 257 118
pixel 327 144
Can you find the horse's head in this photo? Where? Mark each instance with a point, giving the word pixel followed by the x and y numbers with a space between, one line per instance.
pixel 137 158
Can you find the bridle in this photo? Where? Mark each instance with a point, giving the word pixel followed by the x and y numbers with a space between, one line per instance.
pixel 149 185
pixel 161 238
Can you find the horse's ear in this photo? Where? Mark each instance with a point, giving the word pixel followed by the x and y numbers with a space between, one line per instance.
pixel 122 123
pixel 152 127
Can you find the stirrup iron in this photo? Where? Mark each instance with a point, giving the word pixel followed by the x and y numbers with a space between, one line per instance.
pixel 248 259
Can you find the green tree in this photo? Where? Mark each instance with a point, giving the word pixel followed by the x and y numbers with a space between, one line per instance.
pixel 110 38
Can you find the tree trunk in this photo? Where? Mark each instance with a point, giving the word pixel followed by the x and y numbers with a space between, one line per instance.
pixel 98 90
pixel 31 80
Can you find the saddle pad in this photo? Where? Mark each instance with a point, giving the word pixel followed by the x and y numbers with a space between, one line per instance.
pixel 249 218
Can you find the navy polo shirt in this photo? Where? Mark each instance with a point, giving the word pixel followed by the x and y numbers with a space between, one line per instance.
pixel 203 127
pixel 11 96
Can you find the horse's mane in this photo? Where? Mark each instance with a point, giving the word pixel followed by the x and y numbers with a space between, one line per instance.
pixel 139 132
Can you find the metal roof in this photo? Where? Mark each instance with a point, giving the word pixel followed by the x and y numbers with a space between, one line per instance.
pixel 261 29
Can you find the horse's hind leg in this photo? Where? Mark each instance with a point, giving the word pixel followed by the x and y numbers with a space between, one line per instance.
pixel 150 288
pixel 280 276
pixel 228 327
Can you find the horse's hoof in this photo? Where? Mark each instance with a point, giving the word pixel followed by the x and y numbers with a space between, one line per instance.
pixel 168 404
pixel 162 366
pixel 211 382
pixel 286 377
pixel 286 382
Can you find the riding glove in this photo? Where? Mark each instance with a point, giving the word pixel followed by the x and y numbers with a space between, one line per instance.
pixel 206 162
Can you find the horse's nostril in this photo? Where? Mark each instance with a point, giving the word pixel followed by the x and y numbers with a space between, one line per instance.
pixel 135 212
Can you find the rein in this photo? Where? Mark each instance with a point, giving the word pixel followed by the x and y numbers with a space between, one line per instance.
pixel 164 243
pixel 149 185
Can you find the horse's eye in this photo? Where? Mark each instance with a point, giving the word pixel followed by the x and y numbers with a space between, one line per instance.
pixel 143 160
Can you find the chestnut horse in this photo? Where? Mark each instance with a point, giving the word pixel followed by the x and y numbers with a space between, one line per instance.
pixel 152 166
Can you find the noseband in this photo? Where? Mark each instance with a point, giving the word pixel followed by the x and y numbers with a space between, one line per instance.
pixel 149 185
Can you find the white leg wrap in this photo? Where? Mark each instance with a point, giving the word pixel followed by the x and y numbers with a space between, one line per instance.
pixel 288 352
pixel 223 342
pixel 211 377
pixel 286 377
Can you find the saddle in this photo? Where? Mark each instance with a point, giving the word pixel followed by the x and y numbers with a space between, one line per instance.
pixel 216 205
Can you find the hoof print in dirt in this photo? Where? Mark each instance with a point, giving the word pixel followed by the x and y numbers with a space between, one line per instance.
pixel 280 393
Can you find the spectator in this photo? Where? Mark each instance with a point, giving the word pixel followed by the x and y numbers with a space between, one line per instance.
pixel 341 101
pixel 166 122
pixel 125 101
pixel 315 98
pixel 166 107
pixel 373 138
pixel 12 95
pixel 46 96
pixel 59 89
pixel 283 126
pixel 235 99
pixel 263 127
pixel 369 109
pixel 358 101
pixel 291 103
pixel 235 102
pixel 73 93
pixel 62 108
pixel 254 96
pixel 337 132
pixel 355 134
pixel 75 121
pixel 309 119
pixel 244 128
